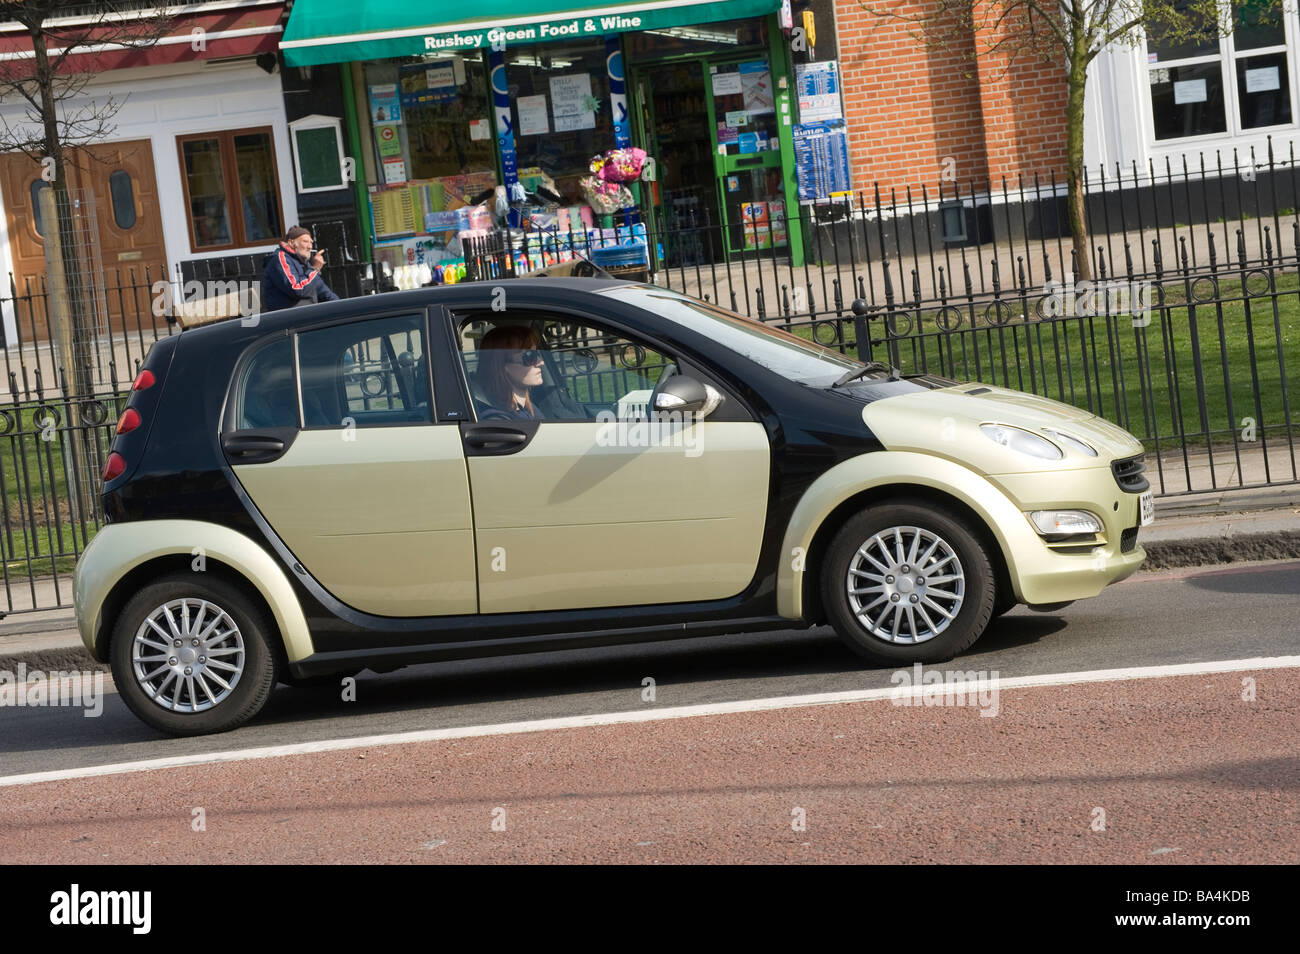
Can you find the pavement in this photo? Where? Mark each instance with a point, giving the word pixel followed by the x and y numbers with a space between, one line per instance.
pixel 1245 526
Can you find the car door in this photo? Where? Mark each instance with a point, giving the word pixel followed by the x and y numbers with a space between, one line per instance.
pixel 331 433
pixel 591 504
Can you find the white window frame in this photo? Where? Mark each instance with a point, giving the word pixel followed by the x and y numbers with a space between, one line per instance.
pixel 1226 56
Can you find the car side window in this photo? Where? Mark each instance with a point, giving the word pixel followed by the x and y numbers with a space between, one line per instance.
pixel 550 368
pixel 368 373
pixel 266 397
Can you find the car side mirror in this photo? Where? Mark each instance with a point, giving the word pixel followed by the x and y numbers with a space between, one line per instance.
pixel 681 394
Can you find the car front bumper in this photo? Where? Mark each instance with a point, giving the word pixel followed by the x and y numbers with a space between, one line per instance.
pixel 1044 572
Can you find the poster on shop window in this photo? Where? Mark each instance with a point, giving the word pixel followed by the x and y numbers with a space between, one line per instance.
pixel 533 119
pixel 384 104
pixel 756 88
pixel 571 102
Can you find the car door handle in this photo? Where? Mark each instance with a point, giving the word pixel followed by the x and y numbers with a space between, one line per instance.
pixel 253 448
pixel 485 437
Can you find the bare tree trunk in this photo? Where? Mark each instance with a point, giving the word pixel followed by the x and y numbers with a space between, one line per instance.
pixel 77 379
pixel 1076 198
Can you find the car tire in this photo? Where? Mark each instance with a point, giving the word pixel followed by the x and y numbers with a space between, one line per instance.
pixel 315 682
pixel 873 548
pixel 222 690
pixel 1004 602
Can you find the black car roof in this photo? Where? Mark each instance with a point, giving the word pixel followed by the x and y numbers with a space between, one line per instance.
pixel 476 292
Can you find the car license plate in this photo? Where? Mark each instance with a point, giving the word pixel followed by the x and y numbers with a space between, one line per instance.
pixel 1148 502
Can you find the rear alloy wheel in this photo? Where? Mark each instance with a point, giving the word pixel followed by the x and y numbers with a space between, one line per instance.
pixel 190 656
pixel 907 582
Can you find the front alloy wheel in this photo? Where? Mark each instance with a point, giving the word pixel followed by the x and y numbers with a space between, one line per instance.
pixel 906 585
pixel 908 582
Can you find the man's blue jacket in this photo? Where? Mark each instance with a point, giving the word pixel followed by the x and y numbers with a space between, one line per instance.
pixel 287 281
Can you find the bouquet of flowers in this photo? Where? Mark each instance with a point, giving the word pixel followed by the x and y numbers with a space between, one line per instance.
pixel 605 197
pixel 619 165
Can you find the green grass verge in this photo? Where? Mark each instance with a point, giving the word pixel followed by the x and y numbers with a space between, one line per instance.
pixel 1143 377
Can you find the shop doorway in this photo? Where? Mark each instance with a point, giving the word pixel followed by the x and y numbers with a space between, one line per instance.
pixel 710 122
pixel 747 153
pixel 675 121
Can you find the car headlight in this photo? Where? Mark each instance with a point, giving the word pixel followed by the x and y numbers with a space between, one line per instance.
pixel 1074 442
pixel 1052 523
pixel 1023 441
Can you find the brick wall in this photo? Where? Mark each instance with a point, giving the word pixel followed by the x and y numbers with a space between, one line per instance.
pixel 1023 99
pixel 914 113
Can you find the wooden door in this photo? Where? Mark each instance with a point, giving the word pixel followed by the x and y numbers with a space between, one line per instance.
pixel 20 180
pixel 128 220
pixel 121 177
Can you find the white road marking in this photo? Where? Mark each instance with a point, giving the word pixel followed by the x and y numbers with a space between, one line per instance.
pixel 649 715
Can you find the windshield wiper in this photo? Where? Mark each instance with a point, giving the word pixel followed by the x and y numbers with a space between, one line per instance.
pixel 867 368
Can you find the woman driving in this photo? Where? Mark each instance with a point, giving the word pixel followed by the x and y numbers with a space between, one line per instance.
pixel 509 367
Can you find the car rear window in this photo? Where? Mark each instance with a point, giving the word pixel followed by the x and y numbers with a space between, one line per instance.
pixel 266 397
pixel 367 373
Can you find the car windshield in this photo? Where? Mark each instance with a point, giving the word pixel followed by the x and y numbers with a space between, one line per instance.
pixel 788 355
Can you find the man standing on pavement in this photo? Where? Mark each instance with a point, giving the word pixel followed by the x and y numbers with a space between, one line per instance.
pixel 292 273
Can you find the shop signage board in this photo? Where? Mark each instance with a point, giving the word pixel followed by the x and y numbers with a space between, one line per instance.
pixel 821 155
pixel 327 31
pixel 818 86
pixel 505 126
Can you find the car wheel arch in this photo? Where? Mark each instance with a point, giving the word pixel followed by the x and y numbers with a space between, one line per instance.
pixel 859 481
pixel 124 557
pixel 813 610
pixel 144 573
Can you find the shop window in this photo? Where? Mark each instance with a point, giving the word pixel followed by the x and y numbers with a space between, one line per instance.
pixel 1263 90
pixel 432 137
pixel 562 111
pixel 1205 85
pixel 122 194
pixel 444 109
pixel 1188 100
pixel 232 195
pixel 722 37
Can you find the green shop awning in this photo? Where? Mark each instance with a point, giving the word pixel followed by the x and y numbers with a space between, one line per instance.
pixel 335 31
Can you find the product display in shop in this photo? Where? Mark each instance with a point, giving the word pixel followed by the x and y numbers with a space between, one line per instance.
pixel 619 165
pixel 606 197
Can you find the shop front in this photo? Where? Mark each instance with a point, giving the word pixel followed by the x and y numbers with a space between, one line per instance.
pixel 449 111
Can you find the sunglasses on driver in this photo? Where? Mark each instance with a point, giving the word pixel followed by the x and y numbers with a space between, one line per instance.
pixel 525 357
